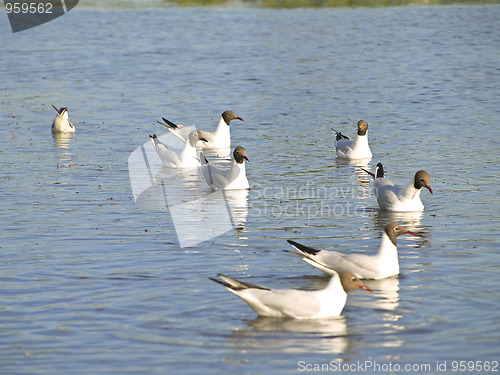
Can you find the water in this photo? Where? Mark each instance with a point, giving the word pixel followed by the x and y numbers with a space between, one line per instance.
pixel 92 281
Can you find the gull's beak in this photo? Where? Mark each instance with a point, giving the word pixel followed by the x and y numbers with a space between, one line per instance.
pixel 365 287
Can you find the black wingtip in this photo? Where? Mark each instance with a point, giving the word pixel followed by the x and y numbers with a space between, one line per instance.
pixel 241 285
pixel 339 135
pixel 153 136
pixel 342 136
pixel 303 248
pixel 367 171
pixel 169 123
pixel 223 283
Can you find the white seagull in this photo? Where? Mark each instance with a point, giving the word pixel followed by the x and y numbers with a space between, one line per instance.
pixel 397 198
pixel 292 303
pixel 234 178
pixel 357 149
pixel 378 266
pixel 61 123
pixel 179 158
pixel 220 138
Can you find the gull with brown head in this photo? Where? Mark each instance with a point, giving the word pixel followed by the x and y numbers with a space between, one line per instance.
pixel 293 303
pixel 380 265
pixel 234 178
pixel 353 149
pixel 220 138
pixel 397 198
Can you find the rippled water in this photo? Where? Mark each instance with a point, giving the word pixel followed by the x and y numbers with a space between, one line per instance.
pixel 92 280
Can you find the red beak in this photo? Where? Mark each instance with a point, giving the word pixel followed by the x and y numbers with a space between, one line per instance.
pixel 367 288
pixel 239 118
pixel 410 232
pixel 429 188
pixel 244 157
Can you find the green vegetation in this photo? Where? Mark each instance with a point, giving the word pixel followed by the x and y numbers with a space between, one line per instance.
pixel 325 3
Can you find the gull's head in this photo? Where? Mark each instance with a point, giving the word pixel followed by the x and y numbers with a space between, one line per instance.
pixel 393 230
pixel 63 112
pixel 239 155
pixel 228 116
pixel 350 282
pixel 362 127
pixel 423 179
pixel 194 137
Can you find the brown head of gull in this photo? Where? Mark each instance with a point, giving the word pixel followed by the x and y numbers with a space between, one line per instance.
pixel 362 127
pixel 393 230
pixel 229 116
pixel 351 282
pixel 239 155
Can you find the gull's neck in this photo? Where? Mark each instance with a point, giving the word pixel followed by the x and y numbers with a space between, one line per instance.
pixel 222 130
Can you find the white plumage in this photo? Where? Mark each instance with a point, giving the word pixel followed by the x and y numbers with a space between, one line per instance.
pixel 383 264
pixel 297 304
pixel 354 149
pixel 392 197
pixel 220 138
pixel 179 158
pixel 61 123
pixel 234 178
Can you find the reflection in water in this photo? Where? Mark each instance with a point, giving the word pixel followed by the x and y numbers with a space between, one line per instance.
pixel 410 220
pixel 217 153
pixel 357 164
pixel 198 214
pixel 293 336
pixel 201 219
pixel 359 178
pixel 385 295
pixel 170 186
pixel 237 201
pixel 63 141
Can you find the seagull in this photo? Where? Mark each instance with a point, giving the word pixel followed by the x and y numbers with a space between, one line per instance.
pixel 235 178
pixel 378 266
pixel 292 303
pixel 220 138
pixel 61 123
pixel 177 158
pixel 391 197
pixel 357 149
